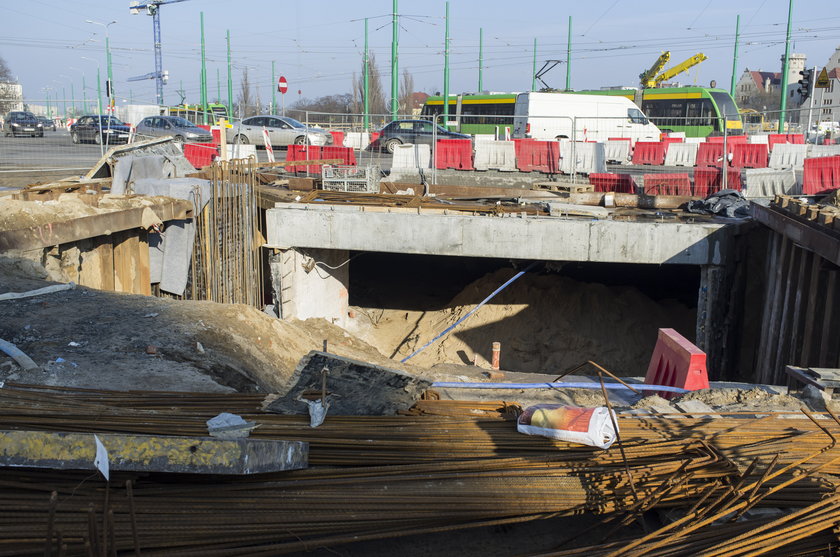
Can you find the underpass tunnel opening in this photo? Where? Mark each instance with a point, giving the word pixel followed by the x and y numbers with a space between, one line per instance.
pixel 554 317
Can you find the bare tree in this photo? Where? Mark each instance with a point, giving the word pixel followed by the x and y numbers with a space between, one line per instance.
pixel 376 96
pixel 245 103
pixel 11 94
pixel 406 93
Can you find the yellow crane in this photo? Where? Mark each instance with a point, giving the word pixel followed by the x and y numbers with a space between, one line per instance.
pixel 651 78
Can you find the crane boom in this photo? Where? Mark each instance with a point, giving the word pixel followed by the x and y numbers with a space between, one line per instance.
pixel 678 69
pixel 657 66
pixel 152 8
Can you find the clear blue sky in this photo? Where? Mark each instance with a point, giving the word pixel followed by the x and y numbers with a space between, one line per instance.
pixel 317 45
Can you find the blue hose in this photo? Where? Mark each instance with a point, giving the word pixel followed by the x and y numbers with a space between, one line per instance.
pixel 614 386
pixel 473 310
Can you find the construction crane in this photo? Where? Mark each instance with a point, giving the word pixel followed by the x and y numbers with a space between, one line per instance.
pixel 152 8
pixel 650 78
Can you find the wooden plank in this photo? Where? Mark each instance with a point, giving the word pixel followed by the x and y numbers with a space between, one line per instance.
pixel 797 325
pixel 773 254
pixel 123 254
pixel 782 352
pixel 57 233
pixel 142 278
pixel 785 247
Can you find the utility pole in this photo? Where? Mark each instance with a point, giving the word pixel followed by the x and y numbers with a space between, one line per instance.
pixel 480 59
pixel 735 56
pixel 218 86
pixel 99 89
pixel 783 103
pixel 813 93
pixel 366 84
pixel 229 79
pixel 446 70
pixel 569 58
pixel 395 83
pixel 110 84
pixel 204 106
pixel 534 68
pixel 273 90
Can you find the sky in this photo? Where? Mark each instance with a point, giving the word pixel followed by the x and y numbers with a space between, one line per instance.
pixel 318 45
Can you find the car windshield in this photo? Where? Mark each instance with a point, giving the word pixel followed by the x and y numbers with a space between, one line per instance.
pixel 180 122
pixel 294 123
pixel 111 121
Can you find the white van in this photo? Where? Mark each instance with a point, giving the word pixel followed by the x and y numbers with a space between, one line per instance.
pixel 555 116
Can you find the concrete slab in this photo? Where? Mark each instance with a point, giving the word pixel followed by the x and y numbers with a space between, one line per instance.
pixel 516 237
pixel 146 453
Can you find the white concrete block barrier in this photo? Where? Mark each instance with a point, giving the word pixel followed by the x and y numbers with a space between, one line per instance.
pixel 815 151
pixel 760 138
pixel 681 154
pixel 239 151
pixel 768 182
pixel 356 140
pixel 788 155
pixel 410 156
pixel 617 151
pixel 588 158
pixel 496 155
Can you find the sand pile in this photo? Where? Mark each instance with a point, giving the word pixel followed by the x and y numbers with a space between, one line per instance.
pixel 546 324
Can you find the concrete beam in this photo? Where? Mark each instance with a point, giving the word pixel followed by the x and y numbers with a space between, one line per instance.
pixel 516 237
pixel 146 453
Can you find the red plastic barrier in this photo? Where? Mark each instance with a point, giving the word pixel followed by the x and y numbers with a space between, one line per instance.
pixel 217 135
pixel 454 153
pixel 649 152
pixel 346 154
pixel 709 154
pixel 750 155
pixel 676 362
pixel 775 138
pixel 539 156
pixel 708 180
pixel 374 137
pixel 668 140
pixel 620 183
pixel 204 126
pixel 304 153
pixel 200 154
pixel 338 138
pixel 821 175
pixel 667 184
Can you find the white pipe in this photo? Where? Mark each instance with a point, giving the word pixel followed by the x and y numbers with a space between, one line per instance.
pixel 17 355
pixel 38 292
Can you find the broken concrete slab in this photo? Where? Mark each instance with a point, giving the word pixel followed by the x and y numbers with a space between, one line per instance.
pixel 697 409
pixel 148 453
pixel 353 387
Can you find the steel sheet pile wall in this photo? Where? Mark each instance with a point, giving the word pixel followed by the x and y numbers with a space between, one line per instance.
pixel 434 471
pixel 801 312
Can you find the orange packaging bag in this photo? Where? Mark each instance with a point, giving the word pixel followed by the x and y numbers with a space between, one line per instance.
pixel 575 424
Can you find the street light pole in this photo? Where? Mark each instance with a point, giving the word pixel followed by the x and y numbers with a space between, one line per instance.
pixel 109 85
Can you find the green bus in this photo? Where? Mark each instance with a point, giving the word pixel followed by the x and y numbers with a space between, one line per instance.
pixel 195 112
pixel 695 111
pixel 474 113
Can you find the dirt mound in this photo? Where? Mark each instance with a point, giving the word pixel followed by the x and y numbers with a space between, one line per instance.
pixel 743 399
pixel 545 323
pixel 98 339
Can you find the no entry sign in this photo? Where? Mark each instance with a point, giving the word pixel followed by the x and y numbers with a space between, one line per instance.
pixel 282 85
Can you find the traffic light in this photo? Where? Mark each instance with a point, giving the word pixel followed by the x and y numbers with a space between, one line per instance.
pixel 805 84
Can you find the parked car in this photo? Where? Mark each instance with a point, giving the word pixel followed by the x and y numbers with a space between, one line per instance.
pixel 282 131
pixel 19 122
pixel 181 129
pixel 414 131
pixel 48 123
pixel 99 129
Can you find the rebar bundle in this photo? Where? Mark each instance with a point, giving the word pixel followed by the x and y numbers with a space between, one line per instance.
pixel 389 476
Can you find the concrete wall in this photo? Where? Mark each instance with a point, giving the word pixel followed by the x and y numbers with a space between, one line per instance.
pixel 516 237
pixel 306 286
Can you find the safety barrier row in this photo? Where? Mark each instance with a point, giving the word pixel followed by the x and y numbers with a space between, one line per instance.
pixel 821 175
pixel 201 154
pixel 705 182
pixel 315 152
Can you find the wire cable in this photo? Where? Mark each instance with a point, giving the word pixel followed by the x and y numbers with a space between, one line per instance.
pixel 472 311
